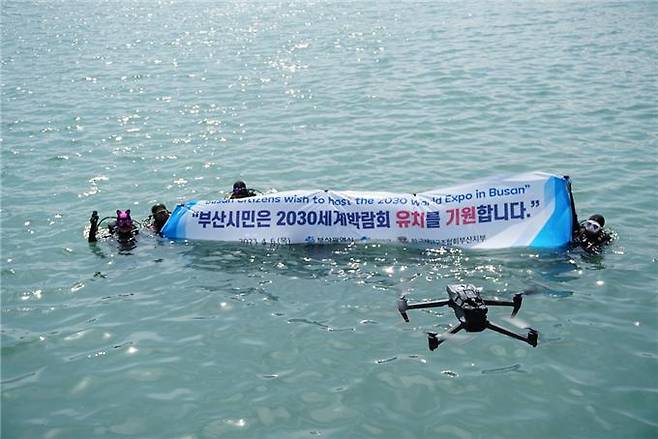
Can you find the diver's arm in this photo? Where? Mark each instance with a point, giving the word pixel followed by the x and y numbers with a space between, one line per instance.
pixel 94 227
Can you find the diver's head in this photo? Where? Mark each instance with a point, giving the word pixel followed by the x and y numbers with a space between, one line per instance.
pixel 158 208
pixel 124 222
pixel 160 215
pixel 594 224
pixel 239 188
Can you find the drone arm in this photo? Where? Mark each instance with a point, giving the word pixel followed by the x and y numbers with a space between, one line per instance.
pixel 531 339
pixel 431 304
pixel 435 340
pixel 403 306
pixel 516 303
pixel 492 302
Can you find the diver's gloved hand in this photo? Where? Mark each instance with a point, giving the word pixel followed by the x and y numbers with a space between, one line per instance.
pixel 94 227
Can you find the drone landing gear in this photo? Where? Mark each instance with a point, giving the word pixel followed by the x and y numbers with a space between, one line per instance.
pixel 435 340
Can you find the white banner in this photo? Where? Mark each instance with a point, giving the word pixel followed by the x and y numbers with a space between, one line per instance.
pixel 531 209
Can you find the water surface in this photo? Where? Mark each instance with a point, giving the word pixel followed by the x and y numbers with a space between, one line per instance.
pixel 109 105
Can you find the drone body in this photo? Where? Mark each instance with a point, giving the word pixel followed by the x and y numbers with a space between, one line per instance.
pixel 471 311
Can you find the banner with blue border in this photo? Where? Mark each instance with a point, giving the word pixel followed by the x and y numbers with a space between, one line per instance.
pixel 527 210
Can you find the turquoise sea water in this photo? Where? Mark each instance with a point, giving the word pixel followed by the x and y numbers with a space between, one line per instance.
pixel 119 104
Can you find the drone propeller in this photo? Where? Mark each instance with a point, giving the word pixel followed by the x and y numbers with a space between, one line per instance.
pixel 532 337
pixel 402 307
pixel 517 322
pixel 518 298
pixel 433 340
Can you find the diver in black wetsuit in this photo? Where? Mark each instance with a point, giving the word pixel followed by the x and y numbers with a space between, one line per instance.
pixel 240 190
pixel 591 236
pixel 122 228
pixel 158 218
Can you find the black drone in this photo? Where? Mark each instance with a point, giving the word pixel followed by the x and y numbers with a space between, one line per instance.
pixel 471 311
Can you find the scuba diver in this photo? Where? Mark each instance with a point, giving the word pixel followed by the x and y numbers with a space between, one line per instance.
pixel 158 218
pixel 591 236
pixel 240 190
pixel 123 228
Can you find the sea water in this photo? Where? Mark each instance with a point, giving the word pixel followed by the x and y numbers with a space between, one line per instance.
pixel 120 104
